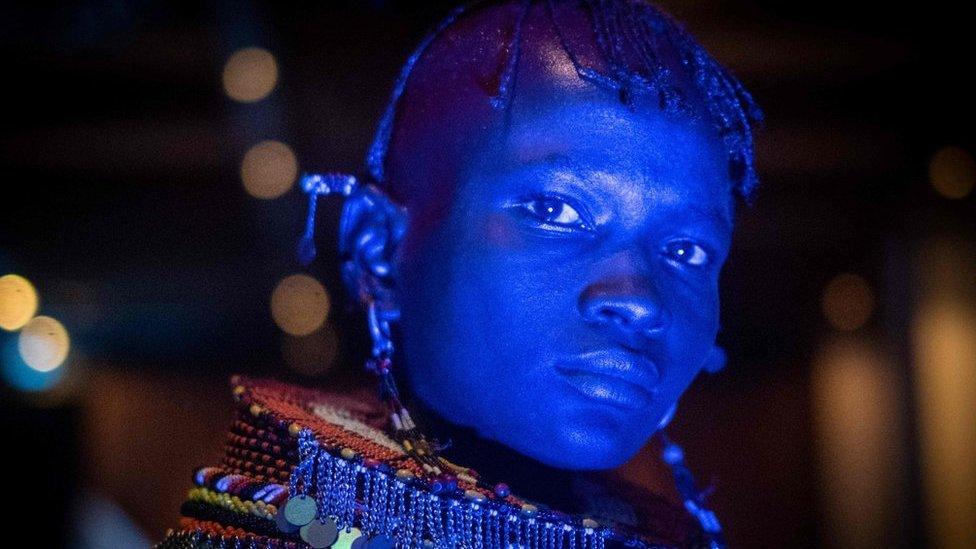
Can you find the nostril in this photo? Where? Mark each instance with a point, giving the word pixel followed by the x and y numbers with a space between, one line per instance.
pixel 643 320
pixel 608 313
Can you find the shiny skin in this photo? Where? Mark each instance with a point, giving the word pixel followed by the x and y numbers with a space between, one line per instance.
pixel 569 223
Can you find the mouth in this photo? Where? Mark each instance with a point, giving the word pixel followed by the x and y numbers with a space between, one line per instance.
pixel 616 377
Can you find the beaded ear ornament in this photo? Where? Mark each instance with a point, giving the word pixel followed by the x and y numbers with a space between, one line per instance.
pixel 340 499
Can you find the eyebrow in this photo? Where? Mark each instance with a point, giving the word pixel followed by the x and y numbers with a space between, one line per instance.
pixel 715 214
pixel 558 159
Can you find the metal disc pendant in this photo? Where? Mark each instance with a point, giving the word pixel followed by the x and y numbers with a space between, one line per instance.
pixel 300 510
pixel 380 542
pixel 320 534
pixel 283 524
pixel 352 539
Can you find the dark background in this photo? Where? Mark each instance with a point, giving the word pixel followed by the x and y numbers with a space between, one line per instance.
pixel 121 201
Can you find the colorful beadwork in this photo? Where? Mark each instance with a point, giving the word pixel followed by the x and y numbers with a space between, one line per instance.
pixel 356 490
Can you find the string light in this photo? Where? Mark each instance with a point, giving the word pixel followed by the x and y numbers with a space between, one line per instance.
pixel 18 302
pixel 250 74
pixel 269 169
pixel 299 305
pixel 43 344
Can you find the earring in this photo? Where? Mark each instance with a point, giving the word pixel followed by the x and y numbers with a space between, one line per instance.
pixel 443 474
pixel 316 185
pixel 668 416
pixel 405 431
pixel 694 499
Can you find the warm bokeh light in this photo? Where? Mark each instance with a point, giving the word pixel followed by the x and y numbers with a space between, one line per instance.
pixel 43 344
pixel 858 415
pixel 952 172
pixel 269 169
pixel 848 302
pixel 944 347
pixel 18 302
pixel 311 355
pixel 299 305
pixel 250 74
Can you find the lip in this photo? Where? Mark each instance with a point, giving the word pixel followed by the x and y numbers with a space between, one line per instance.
pixel 615 377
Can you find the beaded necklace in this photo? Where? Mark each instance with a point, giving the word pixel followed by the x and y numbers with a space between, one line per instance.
pixel 347 487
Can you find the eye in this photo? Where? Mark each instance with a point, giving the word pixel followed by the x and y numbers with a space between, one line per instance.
pixel 687 252
pixel 553 210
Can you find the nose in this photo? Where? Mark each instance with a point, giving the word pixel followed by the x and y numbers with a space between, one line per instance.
pixel 630 310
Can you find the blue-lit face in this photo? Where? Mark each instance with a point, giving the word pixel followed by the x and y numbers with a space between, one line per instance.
pixel 569 294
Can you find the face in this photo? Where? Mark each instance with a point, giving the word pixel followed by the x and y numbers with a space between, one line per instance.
pixel 569 296
pixel 557 285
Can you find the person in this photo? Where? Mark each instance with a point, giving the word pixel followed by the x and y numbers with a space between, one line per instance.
pixel 554 187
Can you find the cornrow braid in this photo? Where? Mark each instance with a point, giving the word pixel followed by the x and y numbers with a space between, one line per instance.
pixel 632 36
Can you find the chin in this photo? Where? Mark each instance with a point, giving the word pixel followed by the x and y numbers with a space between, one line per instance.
pixel 583 447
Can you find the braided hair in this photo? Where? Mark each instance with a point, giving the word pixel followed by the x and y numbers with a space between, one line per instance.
pixel 633 37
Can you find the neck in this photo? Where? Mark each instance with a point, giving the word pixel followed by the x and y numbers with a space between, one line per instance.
pixel 496 462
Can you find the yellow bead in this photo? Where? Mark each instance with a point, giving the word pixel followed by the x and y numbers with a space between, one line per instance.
pixel 294 429
pixel 239 390
pixel 404 474
pixel 255 410
pixel 347 453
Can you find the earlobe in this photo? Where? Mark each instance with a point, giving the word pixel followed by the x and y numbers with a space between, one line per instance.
pixel 370 229
pixel 716 360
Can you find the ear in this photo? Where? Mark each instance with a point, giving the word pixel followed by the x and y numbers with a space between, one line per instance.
pixel 370 229
pixel 716 360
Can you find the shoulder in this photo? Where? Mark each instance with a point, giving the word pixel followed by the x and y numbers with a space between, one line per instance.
pixel 354 419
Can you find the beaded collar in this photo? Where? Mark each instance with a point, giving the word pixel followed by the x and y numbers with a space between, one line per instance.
pixel 305 468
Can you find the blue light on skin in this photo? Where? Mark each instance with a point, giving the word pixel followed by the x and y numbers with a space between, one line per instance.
pixel 569 225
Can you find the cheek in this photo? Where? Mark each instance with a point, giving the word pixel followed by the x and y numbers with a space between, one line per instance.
pixel 694 327
pixel 520 302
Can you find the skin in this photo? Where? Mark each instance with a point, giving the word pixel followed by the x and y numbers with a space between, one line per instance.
pixel 568 223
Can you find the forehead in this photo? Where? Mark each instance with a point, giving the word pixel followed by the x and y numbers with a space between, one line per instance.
pixel 638 155
pixel 446 126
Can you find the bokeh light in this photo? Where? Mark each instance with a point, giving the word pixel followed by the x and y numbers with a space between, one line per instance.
pixel 269 169
pixel 43 343
pixel 299 305
pixel 952 172
pixel 311 355
pixel 250 74
pixel 943 343
pixel 18 302
pixel 848 302
pixel 17 374
pixel 859 431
